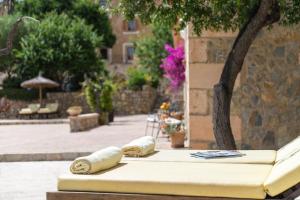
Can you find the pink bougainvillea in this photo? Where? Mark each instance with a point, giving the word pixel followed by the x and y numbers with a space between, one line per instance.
pixel 173 66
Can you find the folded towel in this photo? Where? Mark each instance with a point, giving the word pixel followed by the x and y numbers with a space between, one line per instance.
pixel 139 147
pixel 97 161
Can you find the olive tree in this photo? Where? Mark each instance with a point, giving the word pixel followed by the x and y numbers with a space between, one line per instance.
pixel 247 17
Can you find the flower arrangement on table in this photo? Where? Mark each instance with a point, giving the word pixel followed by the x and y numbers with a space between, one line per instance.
pixel 172 126
pixel 175 129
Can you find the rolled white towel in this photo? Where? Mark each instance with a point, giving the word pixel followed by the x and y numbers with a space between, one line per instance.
pixel 97 161
pixel 139 147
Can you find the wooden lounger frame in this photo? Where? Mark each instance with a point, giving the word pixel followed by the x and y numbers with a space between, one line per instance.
pixel 290 194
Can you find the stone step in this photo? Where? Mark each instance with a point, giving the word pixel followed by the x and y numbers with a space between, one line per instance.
pixel 64 156
pixel 34 121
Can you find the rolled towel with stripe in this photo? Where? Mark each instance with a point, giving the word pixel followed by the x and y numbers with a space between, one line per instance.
pixel 97 161
pixel 139 147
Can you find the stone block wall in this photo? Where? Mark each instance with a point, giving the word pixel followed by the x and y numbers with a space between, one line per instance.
pixel 266 103
pixel 270 89
pixel 126 102
pixel 135 102
pixel 205 63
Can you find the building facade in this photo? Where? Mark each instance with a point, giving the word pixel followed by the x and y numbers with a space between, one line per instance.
pixel 121 55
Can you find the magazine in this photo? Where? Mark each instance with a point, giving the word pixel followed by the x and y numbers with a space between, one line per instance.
pixel 216 154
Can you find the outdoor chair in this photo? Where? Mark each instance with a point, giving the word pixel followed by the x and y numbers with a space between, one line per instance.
pixel 50 109
pixel 153 122
pixel 31 110
pixel 260 174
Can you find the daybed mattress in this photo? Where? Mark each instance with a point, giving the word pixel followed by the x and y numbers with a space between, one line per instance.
pixel 171 178
pixel 250 157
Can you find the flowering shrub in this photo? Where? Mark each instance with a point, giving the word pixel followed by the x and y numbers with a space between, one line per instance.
pixel 173 66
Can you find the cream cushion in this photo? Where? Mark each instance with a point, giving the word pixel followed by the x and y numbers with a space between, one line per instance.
pixel 25 111
pixel 251 157
pixel 284 175
pixel 290 148
pixel 171 178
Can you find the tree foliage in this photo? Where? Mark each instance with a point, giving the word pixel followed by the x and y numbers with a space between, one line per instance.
pixel 246 16
pixel 88 10
pixel 59 45
pixel 137 78
pixel 150 51
pixel 215 14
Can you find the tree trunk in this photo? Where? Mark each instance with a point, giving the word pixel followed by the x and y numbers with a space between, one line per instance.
pixel 267 13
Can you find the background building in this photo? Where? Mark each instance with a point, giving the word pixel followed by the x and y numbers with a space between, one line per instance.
pixel 121 55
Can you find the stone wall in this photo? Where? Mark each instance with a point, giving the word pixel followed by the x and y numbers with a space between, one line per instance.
pixel 135 102
pixel 68 99
pixel 270 89
pixel 205 62
pixel 125 102
pixel 13 109
pixel 266 103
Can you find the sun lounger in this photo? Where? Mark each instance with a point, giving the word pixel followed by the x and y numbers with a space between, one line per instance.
pixel 185 180
pixel 30 110
pixel 180 180
pixel 51 108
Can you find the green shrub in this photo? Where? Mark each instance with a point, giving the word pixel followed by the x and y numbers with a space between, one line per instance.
pixel 12 82
pixel 19 94
pixel 87 10
pixel 59 45
pixel 150 51
pixel 136 78
pixel 106 99
pixel 98 93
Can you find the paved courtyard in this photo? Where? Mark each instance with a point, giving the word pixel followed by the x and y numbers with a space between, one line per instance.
pixel 56 138
pixel 29 180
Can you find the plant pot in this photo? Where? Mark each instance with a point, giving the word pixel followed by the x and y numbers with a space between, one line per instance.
pixel 177 139
pixel 177 115
pixel 111 116
pixel 74 111
pixel 103 118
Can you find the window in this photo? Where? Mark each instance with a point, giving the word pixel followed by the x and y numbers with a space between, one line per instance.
pixel 103 3
pixel 104 54
pixel 131 25
pixel 128 52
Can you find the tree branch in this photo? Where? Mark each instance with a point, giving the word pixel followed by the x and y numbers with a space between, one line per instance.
pixel 12 34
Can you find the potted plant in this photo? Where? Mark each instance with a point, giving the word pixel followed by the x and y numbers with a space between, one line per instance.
pixel 175 129
pixel 93 88
pixel 106 101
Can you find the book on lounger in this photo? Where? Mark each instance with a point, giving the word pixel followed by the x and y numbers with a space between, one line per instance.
pixel 216 154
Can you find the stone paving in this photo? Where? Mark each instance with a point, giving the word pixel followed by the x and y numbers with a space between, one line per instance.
pixel 55 142
pixel 29 180
pixel 32 121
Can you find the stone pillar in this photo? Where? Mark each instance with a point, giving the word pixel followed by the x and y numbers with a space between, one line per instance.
pixel 206 60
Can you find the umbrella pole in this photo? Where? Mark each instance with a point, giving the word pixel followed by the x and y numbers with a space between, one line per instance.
pixel 41 96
